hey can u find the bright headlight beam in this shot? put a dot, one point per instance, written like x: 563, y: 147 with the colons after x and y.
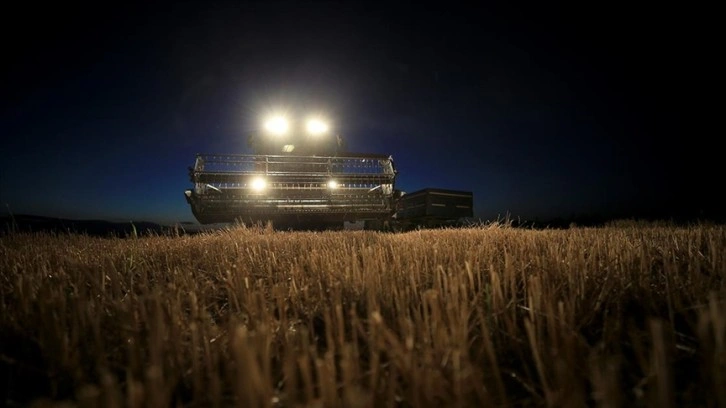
x: 277, y: 125
x: 258, y: 184
x: 316, y: 127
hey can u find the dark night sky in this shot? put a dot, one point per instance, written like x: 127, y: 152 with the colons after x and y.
x: 541, y: 111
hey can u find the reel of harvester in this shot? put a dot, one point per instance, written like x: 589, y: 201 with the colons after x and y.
x: 292, y: 190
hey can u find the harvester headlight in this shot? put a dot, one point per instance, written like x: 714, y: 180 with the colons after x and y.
x: 316, y: 127
x: 258, y: 184
x: 277, y: 125
x: 332, y: 184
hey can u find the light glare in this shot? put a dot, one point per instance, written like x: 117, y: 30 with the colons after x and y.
x: 332, y: 184
x: 317, y: 127
x: 277, y: 125
x: 258, y: 184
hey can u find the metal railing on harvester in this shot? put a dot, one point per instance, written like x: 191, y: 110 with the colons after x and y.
x: 261, y: 187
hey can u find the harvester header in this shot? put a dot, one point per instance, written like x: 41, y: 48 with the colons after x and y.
x: 288, y: 189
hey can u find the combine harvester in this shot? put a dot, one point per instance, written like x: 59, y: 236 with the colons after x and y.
x: 304, y: 179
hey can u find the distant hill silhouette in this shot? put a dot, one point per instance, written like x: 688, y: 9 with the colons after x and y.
x: 36, y: 223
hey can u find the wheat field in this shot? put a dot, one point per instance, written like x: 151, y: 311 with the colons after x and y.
x: 622, y: 315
